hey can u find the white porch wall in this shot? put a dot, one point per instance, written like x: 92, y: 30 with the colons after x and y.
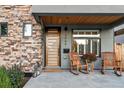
x: 107, y: 40
x: 65, y: 61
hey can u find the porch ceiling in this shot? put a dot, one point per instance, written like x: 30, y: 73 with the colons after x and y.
x: 80, y: 20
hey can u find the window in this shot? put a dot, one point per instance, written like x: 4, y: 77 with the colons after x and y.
x: 75, y: 33
x: 27, y: 30
x: 88, y: 33
x: 81, y: 33
x: 3, y: 29
x: 94, y: 33
x: 88, y: 42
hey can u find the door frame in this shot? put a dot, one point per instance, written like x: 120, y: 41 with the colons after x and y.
x: 59, y: 30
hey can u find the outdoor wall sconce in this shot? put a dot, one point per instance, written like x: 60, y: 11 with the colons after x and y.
x: 66, y: 28
x: 27, y: 29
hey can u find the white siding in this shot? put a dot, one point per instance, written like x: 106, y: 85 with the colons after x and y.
x: 107, y: 40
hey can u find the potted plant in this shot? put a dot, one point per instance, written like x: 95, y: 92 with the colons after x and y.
x: 89, y: 58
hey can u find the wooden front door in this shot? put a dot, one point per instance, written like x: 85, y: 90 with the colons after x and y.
x: 52, y: 47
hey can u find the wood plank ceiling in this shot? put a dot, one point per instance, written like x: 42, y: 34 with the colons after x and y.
x: 79, y: 20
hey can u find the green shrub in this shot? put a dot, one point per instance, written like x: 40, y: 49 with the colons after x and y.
x: 4, y: 78
x: 11, y: 78
x: 16, y: 76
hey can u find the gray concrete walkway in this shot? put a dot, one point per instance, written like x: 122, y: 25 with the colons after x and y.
x: 67, y: 80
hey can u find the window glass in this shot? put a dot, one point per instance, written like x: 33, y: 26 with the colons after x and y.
x: 81, y: 48
x: 81, y: 33
x: 88, y: 33
x: 27, y: 29
x: 94, y: 33
x: 88, y: 45
x: 84, y: 33
x: 3, y: 29
x: 95, y: 45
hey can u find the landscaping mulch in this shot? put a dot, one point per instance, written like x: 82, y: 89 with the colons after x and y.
x: 26, y: 79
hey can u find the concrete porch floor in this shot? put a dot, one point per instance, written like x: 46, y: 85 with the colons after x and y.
x: 66, y: 79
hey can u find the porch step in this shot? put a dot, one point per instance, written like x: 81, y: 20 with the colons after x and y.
x: 52, y: 69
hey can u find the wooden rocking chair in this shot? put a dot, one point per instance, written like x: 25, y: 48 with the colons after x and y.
x: 119, y: 59
x: 76, y: 64
x: 109, y: 60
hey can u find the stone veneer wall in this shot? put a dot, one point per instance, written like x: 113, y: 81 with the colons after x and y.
x: 15, y: 48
